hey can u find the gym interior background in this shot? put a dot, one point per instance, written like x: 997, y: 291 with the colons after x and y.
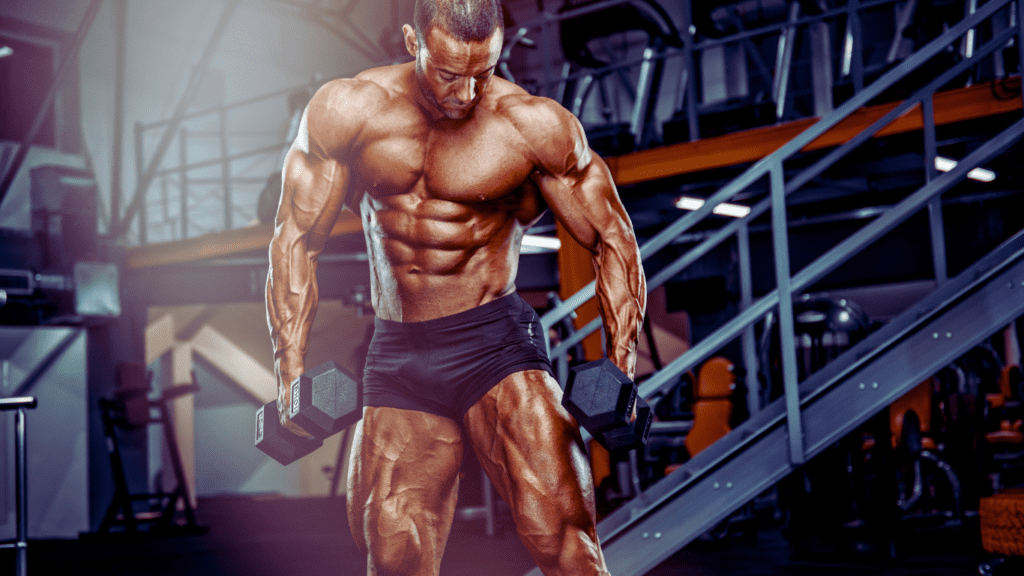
x: 829, y: 195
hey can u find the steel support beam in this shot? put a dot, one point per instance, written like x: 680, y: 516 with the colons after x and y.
x: 68, y: 59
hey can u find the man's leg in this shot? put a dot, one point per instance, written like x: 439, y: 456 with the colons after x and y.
x: 531, y: 449
x: 402, y: 486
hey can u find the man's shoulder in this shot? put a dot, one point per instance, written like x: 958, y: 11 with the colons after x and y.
x: 365, y: 92
x: 533, y: 115
x: 341, y: 108
x: 550, y: 131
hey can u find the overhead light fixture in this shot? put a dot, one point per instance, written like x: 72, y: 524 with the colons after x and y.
x: 6, y: 51
x: 943, y: 164
x: 543, y: 242
x: 723, y: 209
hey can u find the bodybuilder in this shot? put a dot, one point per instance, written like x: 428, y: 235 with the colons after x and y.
x: 448, y: 166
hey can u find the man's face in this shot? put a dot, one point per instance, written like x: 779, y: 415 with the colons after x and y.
x: 452, y: 74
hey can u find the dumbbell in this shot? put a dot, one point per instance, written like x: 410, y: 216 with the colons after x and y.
x: 601, y: 398
x: 324, y: 401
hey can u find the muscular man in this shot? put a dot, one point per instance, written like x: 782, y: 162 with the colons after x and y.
x: 448, y: 167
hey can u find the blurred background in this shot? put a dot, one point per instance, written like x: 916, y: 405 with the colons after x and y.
x: 828, y: 193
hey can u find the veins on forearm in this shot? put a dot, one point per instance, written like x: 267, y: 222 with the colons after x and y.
x: 622, y: 299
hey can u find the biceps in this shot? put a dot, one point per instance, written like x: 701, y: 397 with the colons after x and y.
x: 587, y: 204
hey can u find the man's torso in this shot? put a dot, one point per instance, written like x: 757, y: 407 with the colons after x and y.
x: 443, y: 202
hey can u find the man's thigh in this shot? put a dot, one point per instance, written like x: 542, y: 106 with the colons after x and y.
x: 403, y: 475
x: 531, y: 449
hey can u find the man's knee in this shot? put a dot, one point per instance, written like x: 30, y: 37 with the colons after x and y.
x: 399, y: 539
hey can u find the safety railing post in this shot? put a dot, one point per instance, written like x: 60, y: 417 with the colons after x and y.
x: 20, y: 544
x: 786, y: 325
x: 183, y: 141
x: 935, y: 224
x: 21, y: 488
x: 747, y: 341
x: 139, y: 169
x: 225, y: 168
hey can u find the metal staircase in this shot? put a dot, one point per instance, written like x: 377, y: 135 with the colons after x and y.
x: 812, y: 414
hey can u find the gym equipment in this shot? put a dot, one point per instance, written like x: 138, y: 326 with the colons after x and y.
x: 325, y: 401
x: 601, y: 398
x: 712, y: 408
x: 129, y: 409
x: 1002, y: 530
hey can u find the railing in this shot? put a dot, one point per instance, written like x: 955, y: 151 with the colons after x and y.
x: 771, y: 167
x: 157, y: 180
x: 178, y: 224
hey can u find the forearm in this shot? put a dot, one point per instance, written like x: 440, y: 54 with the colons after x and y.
x: 291, y: 306
x: 621, y: 297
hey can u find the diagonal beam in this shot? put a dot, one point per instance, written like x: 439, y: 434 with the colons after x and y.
x: 70, y: 57
x: 198, y: 74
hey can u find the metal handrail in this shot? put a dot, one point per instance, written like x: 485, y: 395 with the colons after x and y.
x: 773, y: 164
x: 20, y: 545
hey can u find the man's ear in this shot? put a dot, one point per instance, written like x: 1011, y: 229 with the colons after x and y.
x: 410, y: 39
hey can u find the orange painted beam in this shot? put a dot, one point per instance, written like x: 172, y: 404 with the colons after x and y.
x: 221, y: 244
x: 951, y: 106
x: 576, y: 270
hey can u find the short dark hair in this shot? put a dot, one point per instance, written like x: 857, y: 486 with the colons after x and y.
x: 466, y: 20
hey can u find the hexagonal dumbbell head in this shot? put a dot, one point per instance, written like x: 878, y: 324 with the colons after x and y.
x: 599, y: 396
x: 277, y: 442
x: 326, y: 400
x: 632, y: 435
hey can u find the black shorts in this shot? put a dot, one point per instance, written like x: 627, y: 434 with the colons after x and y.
x: 443, y: 366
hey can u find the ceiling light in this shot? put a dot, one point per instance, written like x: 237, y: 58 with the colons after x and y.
x: 6, y: 51
x: 943, y: 164
x: 545, y: 242
x: 723, y: 209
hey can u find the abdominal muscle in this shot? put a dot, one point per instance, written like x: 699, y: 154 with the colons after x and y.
x: 437, y: 260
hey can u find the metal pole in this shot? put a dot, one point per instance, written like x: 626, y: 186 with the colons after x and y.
x: 1020, y: 41
x: 120, y: 48
x: 857, y: 44
x: 140, y: 150
x: 748, y: 342
x: 69, y: 58
x: 643, y: 87
x: 21, y: 488
x: 935, y: 224
x: 183, y: 140
x: 198, y: 73
x: 689, y: 64
x: 784, y: 61
x: 782, y: 275
x: 225, y: 168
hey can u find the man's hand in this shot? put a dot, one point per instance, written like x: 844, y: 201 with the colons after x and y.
x: 284, y: 401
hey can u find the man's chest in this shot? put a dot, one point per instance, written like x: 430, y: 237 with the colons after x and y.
x: 475, y: 161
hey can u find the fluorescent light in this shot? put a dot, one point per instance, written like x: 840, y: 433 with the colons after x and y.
x: 723, y: 209
x: 6, y: 51
x: 546, y: 242
x: 943, y: 164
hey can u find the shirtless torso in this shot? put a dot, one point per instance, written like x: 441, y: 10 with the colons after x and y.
x: 448, y: 167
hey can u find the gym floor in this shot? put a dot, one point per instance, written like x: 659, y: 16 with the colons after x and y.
x: 289, y: 536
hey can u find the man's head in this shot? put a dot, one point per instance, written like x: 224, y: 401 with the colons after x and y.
x: 456, y: 44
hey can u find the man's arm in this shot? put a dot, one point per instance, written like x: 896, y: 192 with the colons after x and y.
x: 579, y: 190
x: 314, y: 183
